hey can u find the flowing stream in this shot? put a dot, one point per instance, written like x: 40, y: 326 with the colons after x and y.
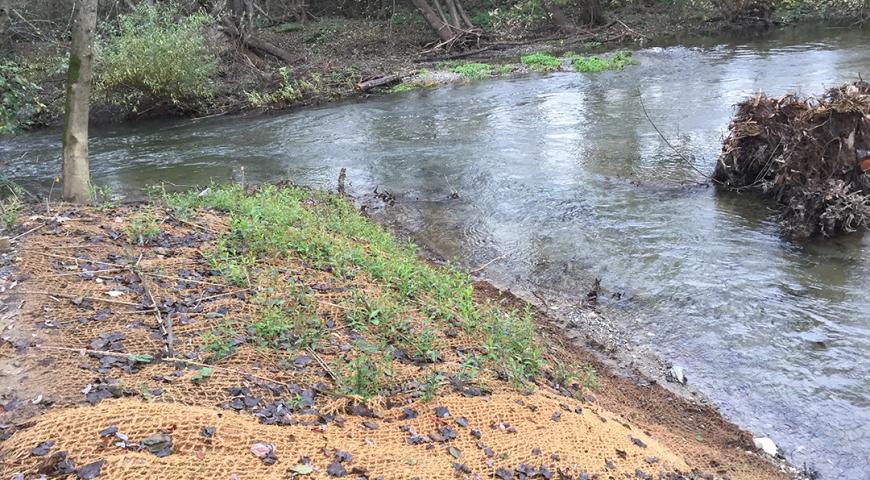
x: 564, y: 176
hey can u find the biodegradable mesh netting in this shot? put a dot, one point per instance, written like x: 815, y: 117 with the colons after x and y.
x: 195, y: 300
x: 579, y: 442
x: 87, y: 282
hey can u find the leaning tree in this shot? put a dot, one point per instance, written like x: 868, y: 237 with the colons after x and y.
x: 449, y: 19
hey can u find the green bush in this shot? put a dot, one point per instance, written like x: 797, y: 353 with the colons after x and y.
x: 17, y: 101
x: 289, y: 92
x: 156, y: 54
x: 541, y: 62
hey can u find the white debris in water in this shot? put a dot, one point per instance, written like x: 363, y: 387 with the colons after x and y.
x: 766, y: 444
x: 676, y: 374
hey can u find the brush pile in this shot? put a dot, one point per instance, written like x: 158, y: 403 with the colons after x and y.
x: 811, y: 155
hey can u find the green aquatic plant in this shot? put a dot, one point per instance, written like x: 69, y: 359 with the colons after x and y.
x: 403, y: 87
x: 473, y: 71
x: 594, y: 64
x: 541, y: 62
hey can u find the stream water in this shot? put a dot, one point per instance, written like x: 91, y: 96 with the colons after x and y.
x: 564, y: 176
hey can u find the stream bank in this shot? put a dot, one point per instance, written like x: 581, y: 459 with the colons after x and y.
x: 147, y: 319
x: 336, y: 58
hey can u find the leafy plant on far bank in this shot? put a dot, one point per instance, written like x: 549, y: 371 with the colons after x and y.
x: 18, y: 103
x: 289, y: 91
x: 473, y: 71
x: 541, y: 62
x: 10, y: 208
x: 156, y: 55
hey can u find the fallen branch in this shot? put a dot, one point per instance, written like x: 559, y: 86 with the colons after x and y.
x: 255, y: 43
x: 165, y: 325
x: 381, y: 81
x: 322, y: 364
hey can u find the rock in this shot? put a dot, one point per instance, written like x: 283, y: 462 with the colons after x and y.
x: 5, y: 244
x: 765, y: 444
x: 677, y: 375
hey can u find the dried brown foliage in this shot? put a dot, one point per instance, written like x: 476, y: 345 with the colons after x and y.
x: 806, y: 154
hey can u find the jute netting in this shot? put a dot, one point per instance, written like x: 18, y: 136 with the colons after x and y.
x: 95, y: 348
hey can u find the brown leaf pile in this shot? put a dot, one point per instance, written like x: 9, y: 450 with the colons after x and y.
x: 805, y: 153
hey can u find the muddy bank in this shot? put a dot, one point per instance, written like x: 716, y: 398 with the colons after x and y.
x: 121, y: 312
x: 637, y: 383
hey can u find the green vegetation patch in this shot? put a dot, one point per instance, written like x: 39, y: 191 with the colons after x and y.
x: 289, y: 91
x: 473, y: 71
x: 18, y: 102
x: 398, y: 308
x: 617, y: 61
x: 541, y: 62
x: 403, y: 87
x: 11, y: 205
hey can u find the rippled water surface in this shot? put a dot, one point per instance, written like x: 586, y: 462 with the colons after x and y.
x: 564, y: 176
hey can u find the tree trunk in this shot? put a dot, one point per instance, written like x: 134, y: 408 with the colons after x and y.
x: 5, y: 35
x: 592, y: 14
x: 443, y: 30
x: 457, y: 22
x: 76, y: 175
x: 558, y: 18
x: 255, y: 43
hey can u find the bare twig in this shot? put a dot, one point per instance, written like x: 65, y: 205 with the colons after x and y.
x: 322, y: 364
x: 70, y: 297
x: 28, y: 232
x: 496, y: 259
x: 680, y: 154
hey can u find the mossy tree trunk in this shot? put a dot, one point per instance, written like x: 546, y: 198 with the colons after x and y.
x: 76, y: 174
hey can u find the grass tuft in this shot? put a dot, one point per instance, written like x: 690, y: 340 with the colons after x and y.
x: 399, y: 312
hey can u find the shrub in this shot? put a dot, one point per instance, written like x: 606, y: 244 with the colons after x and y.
x: 17, y: 101
x: 289, y: 91
x: 10, y: 208
x: 156, y: 54
x: 541, y: 62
